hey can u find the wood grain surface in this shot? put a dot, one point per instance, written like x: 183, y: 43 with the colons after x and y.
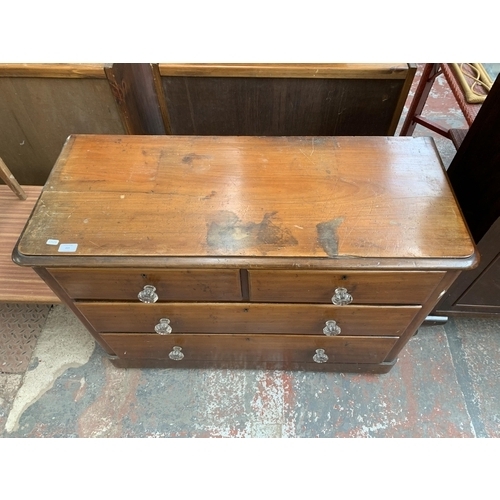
x: 134, y: 90
x: 283, y: 107
x: 373, y: 287
x: 251, y: 348
x: 172, y: 284
x: 248, y: 318
x: 18, y: 284
x: 297, y: 70
x: 217, y: 197
x: 38, y: 115
x: 60, y: 70
x: 282, y: 99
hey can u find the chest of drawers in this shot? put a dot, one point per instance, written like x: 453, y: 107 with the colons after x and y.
x: 260, y: 252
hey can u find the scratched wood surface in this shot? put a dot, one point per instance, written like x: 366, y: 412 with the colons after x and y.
x: 295, y: 197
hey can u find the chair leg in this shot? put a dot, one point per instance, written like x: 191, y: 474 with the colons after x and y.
x: 10, y: 180
x: 429, y: 74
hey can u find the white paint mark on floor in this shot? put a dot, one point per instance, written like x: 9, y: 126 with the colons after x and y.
x: 58, y: 348
x: 260, y: 430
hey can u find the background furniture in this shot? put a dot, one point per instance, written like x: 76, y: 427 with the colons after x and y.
x: 415, y: 117
x: 42, y: 104
x: 282, y: 99
x: 11, y: 181
x: 475, y: 177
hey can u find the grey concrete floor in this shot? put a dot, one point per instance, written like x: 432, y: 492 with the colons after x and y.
x: 445, y: 384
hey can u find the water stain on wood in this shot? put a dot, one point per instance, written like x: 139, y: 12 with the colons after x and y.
x: 327, y: 235
x: 226, y: 231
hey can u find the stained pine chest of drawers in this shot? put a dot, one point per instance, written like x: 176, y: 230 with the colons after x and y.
x: 322, y: 253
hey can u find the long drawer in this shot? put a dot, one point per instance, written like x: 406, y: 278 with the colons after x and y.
x: 374, y: 287
x: 170, y: 284
x: 249, y: 318
x: 253, y: 348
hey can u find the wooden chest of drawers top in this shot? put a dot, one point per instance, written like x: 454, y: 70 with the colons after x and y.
x: 192, y: 201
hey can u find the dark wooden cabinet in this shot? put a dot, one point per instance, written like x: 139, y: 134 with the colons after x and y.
x: 475, y: 177
x: 321, y: 253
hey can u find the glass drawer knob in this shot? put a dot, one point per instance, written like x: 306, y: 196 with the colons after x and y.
x: 176, y: 353
x: 331, y: 328
x: 148, y: 295
x: 341, y: 297
x: 320, y: 356
x: 163, y: 327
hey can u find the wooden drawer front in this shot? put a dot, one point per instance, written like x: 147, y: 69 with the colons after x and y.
x: 172, y: 284
x: 249, y: 318
x: 375, y: 287
x: 252, y: 348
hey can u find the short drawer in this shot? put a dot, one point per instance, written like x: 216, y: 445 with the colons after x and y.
x: 170, y: 284
x: 372, y: 287
x: 252, y: 348
x: 308, y: 319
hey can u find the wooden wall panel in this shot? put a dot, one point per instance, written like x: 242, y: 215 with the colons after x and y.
x: 38, y: 114
x: 280, y: 106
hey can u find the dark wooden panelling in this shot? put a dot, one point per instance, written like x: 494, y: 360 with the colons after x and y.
x: 278, y: 106
x: 469, y: 294
x: 486, y: 291
x: 475, y: 170
x: 474, y: 174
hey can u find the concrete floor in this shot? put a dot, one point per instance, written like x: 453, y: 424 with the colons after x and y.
x: 445, y: 384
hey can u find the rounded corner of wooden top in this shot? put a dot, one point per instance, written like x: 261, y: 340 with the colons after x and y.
x: 474, y: 259
x: 470, y: 260
x: 18, y: 257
